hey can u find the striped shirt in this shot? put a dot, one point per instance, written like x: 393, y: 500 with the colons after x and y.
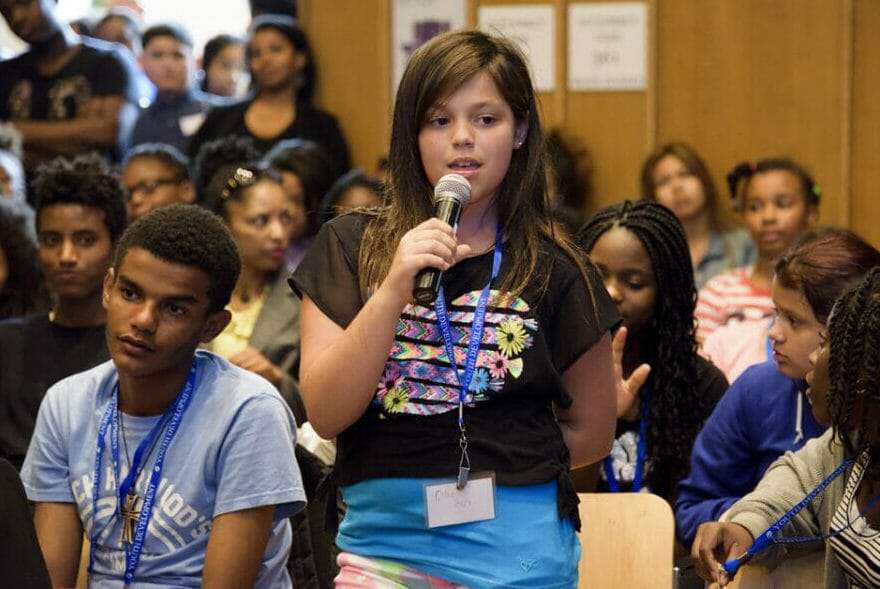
x: 857, y: 547
x: 731, y: 296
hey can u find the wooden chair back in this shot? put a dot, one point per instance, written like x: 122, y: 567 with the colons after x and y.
x: 627, y: 540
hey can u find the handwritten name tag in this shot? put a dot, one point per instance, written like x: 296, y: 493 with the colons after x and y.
x: 446, y: 505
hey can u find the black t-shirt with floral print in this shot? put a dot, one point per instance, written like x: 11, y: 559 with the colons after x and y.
x: 410, y: 428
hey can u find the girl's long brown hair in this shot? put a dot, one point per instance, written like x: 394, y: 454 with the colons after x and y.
x: 434, y: 72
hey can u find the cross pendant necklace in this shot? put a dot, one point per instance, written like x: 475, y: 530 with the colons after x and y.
x: 130, y: 517
x: 129, y: 512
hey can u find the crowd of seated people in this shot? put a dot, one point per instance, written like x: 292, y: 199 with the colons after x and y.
x: 723, y: 313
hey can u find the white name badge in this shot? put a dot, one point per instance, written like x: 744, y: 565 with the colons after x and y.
x: 446, y: 505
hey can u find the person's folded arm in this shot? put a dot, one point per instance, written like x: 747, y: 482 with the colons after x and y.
x: 100, y: 125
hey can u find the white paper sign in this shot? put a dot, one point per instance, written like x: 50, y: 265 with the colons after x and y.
x: 534, y: 28
x: 416, y: 21
x: 446, y: 505
x: 607, y: 46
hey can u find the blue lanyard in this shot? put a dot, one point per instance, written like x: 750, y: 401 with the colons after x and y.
x: 641, y: 453
x: 476, y: 336
x: 766, y: 538
x: 111, y: 419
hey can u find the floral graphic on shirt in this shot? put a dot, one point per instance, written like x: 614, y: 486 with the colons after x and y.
x: 480, y: 381
x: 511, y: 337
x: 498, y: 365
x: 418, y: 378
x: 395, y: 401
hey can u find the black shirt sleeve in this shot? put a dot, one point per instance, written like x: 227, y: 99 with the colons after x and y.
x: 328, y: 273
x: 583, y: 312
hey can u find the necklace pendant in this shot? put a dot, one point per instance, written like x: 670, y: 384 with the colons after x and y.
x: 130, y: 517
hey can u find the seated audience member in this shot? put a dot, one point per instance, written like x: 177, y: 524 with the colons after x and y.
x: 67, y: 94
x: 352, y: 190
x: 307, y: 173
x: 160, y: 415
x: 280, y: 107
x: 836, y: 474
x: 120, y: 25
x: 738, y: 345
x: 263, y: 333
x: 123, y: 25
x: 640, y: 250
x: 155, y: 175
x: 765, y: 411
x: 779, y: 202
x: 224, y: 71
x: 179, y: 109
x: 22, y: 289
x: 569, y: 179
x: 80, y: 216
x: 677, y: 177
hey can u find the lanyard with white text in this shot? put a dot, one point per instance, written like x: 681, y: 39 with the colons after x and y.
x: 476, y: 336
x: 641, y: 454
x: 111, y: 419
x: 767, y: 537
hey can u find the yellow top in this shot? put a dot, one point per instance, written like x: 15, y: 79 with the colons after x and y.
x: 235, y: 337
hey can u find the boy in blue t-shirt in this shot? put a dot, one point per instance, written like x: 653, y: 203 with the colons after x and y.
x: 178, y: 466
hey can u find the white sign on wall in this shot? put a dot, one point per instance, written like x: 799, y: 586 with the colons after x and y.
x: 607, y: 46
x: 534, y: 28
x: 416, y: 21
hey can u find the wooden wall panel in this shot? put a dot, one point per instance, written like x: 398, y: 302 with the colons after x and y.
x: 352, y: 45
x: 750, y: 79
x: 616, y: 128
x: 739, y: 79
x: 866, y: 122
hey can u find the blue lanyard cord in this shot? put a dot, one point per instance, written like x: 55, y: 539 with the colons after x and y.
x: 641, y: 453
x: 136, y: 466
x: 476, y: 337
x: 110, y: 419
x: 831, y: 533
x: 766, y: 538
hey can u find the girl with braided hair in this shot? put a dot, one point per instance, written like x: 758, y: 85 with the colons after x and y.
x: 765, y: 411
x: 641, y: 252
x: 845, y: 382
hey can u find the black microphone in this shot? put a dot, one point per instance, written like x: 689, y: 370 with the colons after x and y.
x: 451, y: 195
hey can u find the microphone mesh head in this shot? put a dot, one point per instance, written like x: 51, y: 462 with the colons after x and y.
x: 453, y: 187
